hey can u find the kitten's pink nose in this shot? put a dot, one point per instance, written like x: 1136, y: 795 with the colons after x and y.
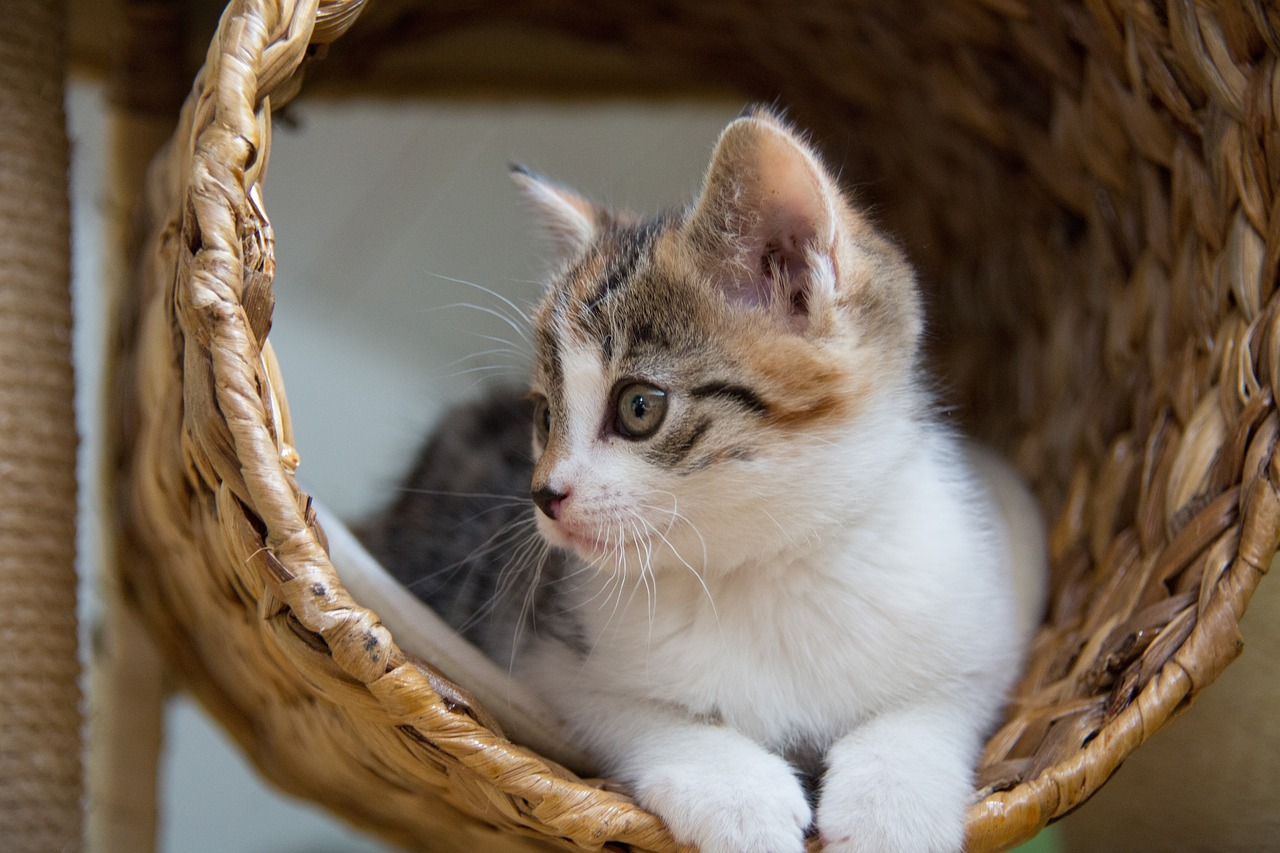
x: 549, y: 500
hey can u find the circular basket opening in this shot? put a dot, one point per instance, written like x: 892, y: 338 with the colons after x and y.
x: 1087, y: 198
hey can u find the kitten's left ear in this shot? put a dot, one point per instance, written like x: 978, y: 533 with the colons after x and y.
x: 768, y: 219
x: 570, y: 219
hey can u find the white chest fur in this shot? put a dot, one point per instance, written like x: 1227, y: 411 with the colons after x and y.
x: 911, y: 600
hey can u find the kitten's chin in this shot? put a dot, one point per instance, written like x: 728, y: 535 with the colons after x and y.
x: 585, y: 543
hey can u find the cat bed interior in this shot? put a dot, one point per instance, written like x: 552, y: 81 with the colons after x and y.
x: 1084, y: 191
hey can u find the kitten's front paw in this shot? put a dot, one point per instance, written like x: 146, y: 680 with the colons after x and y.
x: 895, y: 787
x: 748, y: 802
x: 897, y: 823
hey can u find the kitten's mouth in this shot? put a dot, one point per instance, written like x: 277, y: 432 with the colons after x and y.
x: 587, y: 541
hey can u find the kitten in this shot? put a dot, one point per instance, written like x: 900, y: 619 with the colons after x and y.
x: 770, y: 564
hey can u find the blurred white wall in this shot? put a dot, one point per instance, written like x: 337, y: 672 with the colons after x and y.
x: 377, y: 207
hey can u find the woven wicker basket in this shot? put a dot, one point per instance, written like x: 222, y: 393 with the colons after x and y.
x: 1089, y: 188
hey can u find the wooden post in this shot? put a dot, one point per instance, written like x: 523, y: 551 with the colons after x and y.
x: 147, y: 84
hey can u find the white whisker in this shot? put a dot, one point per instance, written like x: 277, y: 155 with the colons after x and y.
x: 697, y: 575
x: 487, y: 368
x: 493, y: 312
x: 522, y: 314
x: 445, y: 493
x: 676, y: 515
x: 506, y: 350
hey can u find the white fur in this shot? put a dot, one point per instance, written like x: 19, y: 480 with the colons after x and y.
x: 851, y: 595
x: 566, y: 215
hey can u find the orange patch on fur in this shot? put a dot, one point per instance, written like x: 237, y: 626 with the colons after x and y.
x: 804, y: 387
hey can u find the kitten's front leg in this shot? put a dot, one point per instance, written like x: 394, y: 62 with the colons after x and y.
x: 715, y: 788
x: 900, y: 782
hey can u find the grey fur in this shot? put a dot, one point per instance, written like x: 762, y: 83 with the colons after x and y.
x: 460, y: 533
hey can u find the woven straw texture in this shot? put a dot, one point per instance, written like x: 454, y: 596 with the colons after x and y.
x: 39, y: 696
x: 1090, y: 190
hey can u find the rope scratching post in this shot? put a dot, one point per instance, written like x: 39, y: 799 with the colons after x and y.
x: 39, y: 697
x: 1090, y: 189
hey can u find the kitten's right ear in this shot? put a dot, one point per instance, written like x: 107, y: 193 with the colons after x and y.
x: 767, y: 223
x: 570, y: 219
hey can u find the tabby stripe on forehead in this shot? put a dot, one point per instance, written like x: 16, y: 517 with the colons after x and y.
x: 628, y: 251
x: 743, y: 396
x: 610, y: 281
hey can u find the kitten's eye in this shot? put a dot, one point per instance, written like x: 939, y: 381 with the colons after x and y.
x: 641, y: 407
x: 542, y: 418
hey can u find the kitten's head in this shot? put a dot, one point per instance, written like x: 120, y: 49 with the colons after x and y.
x: 716, y: 383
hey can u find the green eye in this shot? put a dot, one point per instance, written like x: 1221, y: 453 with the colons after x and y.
x: 640, y: 409
x: 542, y: 419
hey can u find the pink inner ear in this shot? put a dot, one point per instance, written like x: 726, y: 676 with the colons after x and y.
x: 767, y: 205
x: 792, y: 217
x: 783, y: 267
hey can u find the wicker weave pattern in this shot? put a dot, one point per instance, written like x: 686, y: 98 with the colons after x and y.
x: 1091, y: 191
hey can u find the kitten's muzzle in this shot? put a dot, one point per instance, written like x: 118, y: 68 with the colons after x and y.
x: 548, y: 500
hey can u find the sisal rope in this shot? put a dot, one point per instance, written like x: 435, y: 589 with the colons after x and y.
x: 39, y: 696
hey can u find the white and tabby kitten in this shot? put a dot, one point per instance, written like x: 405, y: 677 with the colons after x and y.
x: 772, y: 569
